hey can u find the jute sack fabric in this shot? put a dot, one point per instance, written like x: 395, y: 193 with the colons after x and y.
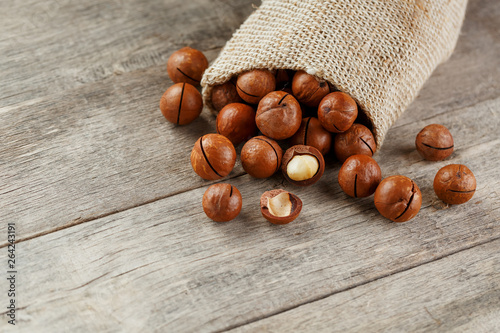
x: 379, y: 51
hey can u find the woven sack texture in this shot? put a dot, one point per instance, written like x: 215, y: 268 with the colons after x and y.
x: 379, y: 51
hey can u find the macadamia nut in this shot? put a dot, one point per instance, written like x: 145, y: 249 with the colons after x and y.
x: 280, y: 205
x: 302, y: 167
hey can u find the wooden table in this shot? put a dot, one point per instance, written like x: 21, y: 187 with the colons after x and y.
x: 109, y: 227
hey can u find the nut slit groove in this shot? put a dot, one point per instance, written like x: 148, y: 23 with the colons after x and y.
x: 275, y: 152
x: 367, y: 145
x: 231, y: 193
x: 206, y: 159
x: 409, y: 201
x: 243, y: 91
x: 355, y: 183
x: 305, y: 132
x: 180, y: 103
x: 281, y: 100
x: 312, y: 95
x: 437, y: 148
x: 455, y: 191
x: 189, y: 77
x: 337, y: 128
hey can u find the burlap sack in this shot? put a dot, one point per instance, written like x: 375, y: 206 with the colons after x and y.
x: 379, y: 51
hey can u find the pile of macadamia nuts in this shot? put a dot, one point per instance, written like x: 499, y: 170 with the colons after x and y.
x: 263, y: 108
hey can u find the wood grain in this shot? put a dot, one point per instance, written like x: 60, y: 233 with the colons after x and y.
x: 57, y: 45
x: 459, y: 293
x: 91, y: 142
x: 115, y: 239
x: 81, y: 141
x: 165, y: 267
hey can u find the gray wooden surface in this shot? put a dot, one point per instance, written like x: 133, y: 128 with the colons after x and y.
x: 108, y: 213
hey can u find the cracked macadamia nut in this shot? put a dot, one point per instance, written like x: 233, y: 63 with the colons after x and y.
x: 455, y: 184
x: 261, y: 157
x: 311, y: 133
x: 303, y: 165
x: 398, y: 198
x: 255, y: 84
x: 222, y: 202
x: 359, y: 176
x: 355, y: 141
x: 236, y: 122
x: 187, y: 65
x: 279, y: 115
x: 337, y: 112
x: 225, y: 94
x: 280, y: 206
x: 308, y: 89
x: 213, y: 157
x: 434, y: 142
x: 181, y: 104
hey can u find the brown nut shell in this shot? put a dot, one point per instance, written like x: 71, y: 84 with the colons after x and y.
x: 311, y: 133
x: 222, y: 202
x: 455, y: 184
x: 359, y: 176
x: 308, y: 89
x: 261, y: 157
x: 303, y: 150
x: 434, y: 142
x: 213, y: 157
x: 398, y: 198
x: 337, y: 112
x: 187, y: 65
x: 356, y: 140
x: 236, y: 122
x: 252, y: 86
x: 225, y: 94
x: 295, y: 203
x: 279, y: 115
x: 181, y: 104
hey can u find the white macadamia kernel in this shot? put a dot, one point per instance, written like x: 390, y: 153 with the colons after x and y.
x: 280, y: 205
x: 302, y: 167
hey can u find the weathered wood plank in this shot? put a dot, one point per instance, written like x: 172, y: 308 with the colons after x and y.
x: 72, y: 150
x: 62, y: 156
x: 56, y: 45
x: 78, y: 141
x: 84, y: 159
x: 459, y: 293
x: 163, y: 266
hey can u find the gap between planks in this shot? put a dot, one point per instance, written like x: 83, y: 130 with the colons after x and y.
x: 79, y: 221
x: 319, y: 298
x: 29, y: 102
